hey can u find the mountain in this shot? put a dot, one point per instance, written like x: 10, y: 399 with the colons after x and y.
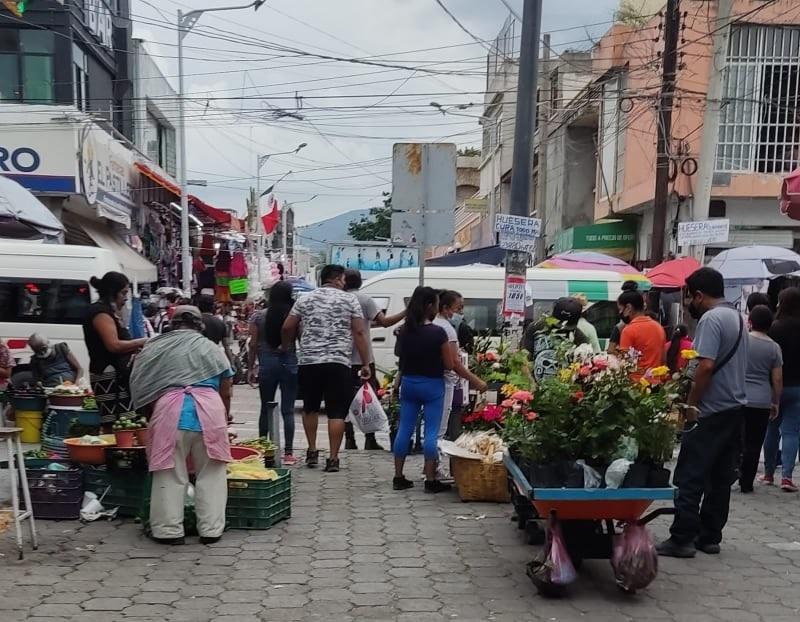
x: 318, y: 235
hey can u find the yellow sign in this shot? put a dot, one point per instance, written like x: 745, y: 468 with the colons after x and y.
x: 476, y: 206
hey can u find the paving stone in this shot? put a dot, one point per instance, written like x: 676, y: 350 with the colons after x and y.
x: 106, y: 604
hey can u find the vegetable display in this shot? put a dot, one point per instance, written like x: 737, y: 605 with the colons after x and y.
x: 129, y: 421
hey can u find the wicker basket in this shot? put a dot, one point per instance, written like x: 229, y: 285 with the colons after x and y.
x: 480, y: 481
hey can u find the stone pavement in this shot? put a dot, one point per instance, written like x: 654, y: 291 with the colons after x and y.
x: 354, y: 549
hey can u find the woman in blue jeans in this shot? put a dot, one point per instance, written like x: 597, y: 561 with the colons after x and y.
x: 277, y: 367
x: 785, y: 331
x: 425, y: 354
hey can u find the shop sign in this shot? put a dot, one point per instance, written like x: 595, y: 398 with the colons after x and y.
x: 476, y: 206
x: 98, y: 20
x: 703, y: 232
x: 514, y: 296
x: 40, y: 161
x: 108, y: 177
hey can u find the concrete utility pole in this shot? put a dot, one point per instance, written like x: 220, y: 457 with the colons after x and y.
x: 544, y: 130
x: 669, y: 63
x: 708, y: 148
x: 524, y: 128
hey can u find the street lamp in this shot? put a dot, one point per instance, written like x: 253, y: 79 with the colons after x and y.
x: 186, y: 22
x: 262, y: 160
x: 272, y: 187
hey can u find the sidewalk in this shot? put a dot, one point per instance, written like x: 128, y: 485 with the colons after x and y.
x: 355, y: 549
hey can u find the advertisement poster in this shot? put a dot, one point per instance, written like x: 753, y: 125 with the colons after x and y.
x: 514, y: 296
x: 374, y: 258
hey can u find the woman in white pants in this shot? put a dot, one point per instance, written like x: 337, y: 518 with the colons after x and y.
x: 451, y: 309
x: 186, y: 379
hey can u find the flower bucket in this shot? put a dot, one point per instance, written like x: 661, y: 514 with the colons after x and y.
x: 142, y: 436
x: 125, y: 438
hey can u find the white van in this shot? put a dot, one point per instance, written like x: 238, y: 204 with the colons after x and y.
x: 45, y: 288
x: 482, y: 289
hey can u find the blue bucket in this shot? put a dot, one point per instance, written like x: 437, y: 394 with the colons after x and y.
x: 37, y: 403
x: 88, y: 417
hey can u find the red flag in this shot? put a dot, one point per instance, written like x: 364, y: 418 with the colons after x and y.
x: 271, y: 219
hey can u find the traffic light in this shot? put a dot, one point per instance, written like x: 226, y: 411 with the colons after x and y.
x: 17, y: 7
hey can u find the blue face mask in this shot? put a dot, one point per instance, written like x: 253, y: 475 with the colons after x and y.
x: 456, y: 320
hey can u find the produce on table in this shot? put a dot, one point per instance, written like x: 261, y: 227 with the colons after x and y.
x: 89, y: 403
x: 251, y: 468
x: 70, y: 389
x: 487, y: 444
x: 262, y: 444
x: 129, y: 421
x: 91, y: 440
x: 36, y: 454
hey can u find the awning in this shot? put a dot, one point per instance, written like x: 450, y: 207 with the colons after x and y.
x: 158, y: 178
x: 133, y: 264
x: 19, y: 204
x: 209, y: 215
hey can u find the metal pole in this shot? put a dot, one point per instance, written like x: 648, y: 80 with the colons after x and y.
x: 284, y: 221
x: 524, y: 128
x: 544, y: 130
x: 186, y: 256
x: 664, y: 130
x: 257, y: 228
x: 711, y: 118
x: 426, y: 195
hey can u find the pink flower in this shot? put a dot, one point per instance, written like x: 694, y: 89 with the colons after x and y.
x: 578, y: 396
x: 531, y: 416
x: 522, y: 396
x: 517, y: 407
x: 491, y: 356
x: 493, y: 413
x: 600, y: 363
x: 507, y: 403
x: 585, y: 371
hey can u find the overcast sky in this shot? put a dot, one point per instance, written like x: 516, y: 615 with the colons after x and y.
x: 245, y: 97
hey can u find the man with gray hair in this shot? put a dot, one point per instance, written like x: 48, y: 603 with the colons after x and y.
x: 52, y: 365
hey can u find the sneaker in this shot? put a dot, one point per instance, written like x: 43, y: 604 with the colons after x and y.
x: 767, y: 480
x: 671, y: 548
x: 401, y: 483
x: 331, y: 465
x: 288, y: 460
x: 169, y: 541
x: 787, y: 485
x: 708, y: 548
x: 312, y: 458
x: 371, y: 444
x: 435, y: 486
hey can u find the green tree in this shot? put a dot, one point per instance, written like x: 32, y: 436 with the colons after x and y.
x: 377, y: 225
x: 469, y: 151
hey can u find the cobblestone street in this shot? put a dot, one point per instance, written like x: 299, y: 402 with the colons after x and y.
x: 354, y: 549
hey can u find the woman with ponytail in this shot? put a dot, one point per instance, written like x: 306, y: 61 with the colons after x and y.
x: 110, y: 347
x: 678, y: 342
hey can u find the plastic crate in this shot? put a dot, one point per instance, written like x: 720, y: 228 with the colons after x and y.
x: 55, y: 494
x: 127, y: 459
x: 128, y: 491
x: 259, y: 504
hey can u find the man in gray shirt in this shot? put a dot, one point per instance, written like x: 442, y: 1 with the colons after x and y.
x: 713, y: 420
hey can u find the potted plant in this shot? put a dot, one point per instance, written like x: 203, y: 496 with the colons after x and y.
x: 125, y: 429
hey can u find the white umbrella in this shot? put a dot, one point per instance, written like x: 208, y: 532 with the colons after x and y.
x: 17, y: 203
x: 755, y: 263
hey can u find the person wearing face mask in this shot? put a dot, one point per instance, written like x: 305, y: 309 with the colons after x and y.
x: 642, y: 333
x: 451, y: 304
x: 110, y: 347
x: 710, y: 445
x: 52, y: 365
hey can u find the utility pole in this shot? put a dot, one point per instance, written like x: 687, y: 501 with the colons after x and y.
x: 669, y: 63
x: 544, y: 129
x: 524, y: 128
x: 711, y: 117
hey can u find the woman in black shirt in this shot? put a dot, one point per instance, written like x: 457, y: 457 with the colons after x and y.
x: 276, y: 366
x: 424, y: 355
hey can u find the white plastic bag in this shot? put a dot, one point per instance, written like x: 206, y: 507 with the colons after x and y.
x: 591, y: 478
x: 366, y: 411
x: 616, y: 472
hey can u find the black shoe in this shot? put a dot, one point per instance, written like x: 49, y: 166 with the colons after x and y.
x: 434, y: 486
x: 709, y: 548
x: 350, y: 443
x: 331, y: 465
x: 209, y: 539
x: 401, y: 483
x: 312, y: 458
x: 671, y: 548
x: 169, y: 541
x: 371, y: 444
x: 746, y: 489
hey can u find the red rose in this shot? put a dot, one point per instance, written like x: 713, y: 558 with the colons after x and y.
x: 585, y: 371
x: 578, y: 396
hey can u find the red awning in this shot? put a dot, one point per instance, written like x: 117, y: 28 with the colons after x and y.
x: 212, y: 215
x: 153, y: 175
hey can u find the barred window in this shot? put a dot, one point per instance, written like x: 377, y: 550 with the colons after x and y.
x: 760, y: 121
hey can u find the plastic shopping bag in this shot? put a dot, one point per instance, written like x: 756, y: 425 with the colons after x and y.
x: 634, y: 558
x: 562, y: 572
x: 366, y: 411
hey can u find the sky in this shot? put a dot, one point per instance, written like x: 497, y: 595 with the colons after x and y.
x: 264, y: 82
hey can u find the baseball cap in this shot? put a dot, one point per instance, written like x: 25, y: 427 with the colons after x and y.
x: 186, y: 313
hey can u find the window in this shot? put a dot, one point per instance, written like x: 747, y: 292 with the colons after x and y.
x: 43, y: 301
x: 716, y: 208
x: 610, y: 141
x: 26, y: 66
x: 484, y: 315
x: 760, y: 119
x: 80, y: 84
x: 160, y: 143
x: 603, y: 315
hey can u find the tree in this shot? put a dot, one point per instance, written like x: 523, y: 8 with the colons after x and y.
x: 631, y: 15
x: 469, y: 151
x: 377, y: 225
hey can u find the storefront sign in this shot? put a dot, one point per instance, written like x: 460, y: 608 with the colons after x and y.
x: 476, y: 206
x: 703, y: 232
x: 108, y: 177
x: 617, y: 239
x: 514, y: 296
x: 99, y: 21
x: 518, y: 233
x: 41, y: 161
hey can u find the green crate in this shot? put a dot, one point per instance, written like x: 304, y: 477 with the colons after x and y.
x: 259, y: 504
x: 130, y: 492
